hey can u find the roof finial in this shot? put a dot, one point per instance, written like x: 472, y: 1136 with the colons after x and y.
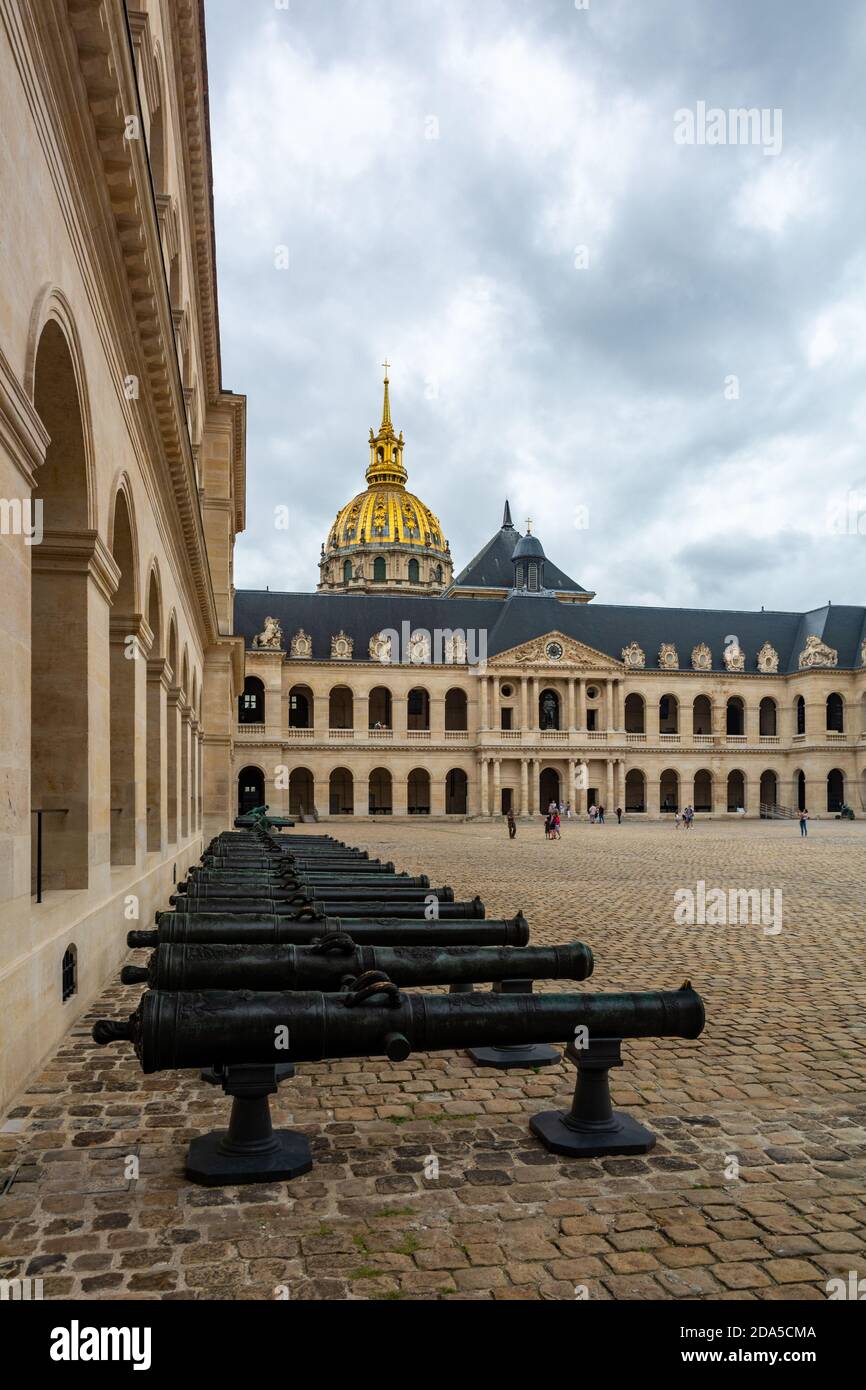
x: 507, y: 523
x: 386, y: 405
x: 529, y: 526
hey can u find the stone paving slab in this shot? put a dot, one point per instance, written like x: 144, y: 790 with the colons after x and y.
x: 427, y: 1183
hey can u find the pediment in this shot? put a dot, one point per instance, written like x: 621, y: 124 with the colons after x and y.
x: 576, y: 656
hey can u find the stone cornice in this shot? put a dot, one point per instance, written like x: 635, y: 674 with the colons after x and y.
x: 77, y: 58
x: 22, y: 433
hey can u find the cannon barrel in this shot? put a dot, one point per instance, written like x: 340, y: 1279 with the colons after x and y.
x: 220, y: 928
x: 258, y: 967
x: 319, y: 908
x: 188, y: 1029
x: 227, y: 885
x: 390, y: 891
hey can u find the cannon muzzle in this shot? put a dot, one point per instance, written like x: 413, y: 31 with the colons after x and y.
x: 264, y: 928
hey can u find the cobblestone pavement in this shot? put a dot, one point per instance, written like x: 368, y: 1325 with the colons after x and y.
x: 778, y: 1081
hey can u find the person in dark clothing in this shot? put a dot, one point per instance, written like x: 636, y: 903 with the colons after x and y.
x: 804, y: 817
x: 601, y: 815
x: 619, y: 815
x: 512, y: 824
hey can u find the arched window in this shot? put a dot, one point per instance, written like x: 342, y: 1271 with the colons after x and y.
x: 418, y: 792
x: 669, y: 711
x: 456, y: 709
x: 769, y: 791
x: 533, y: 575
x: 669, y: 790
x: 735, y: 716
x: 379, y: 570
x: 456, y: 792
x: 801, y: 714
x: 634, y: 714
x: 635, y: 790
x: 300, y: 707
x: 440, y: 574
x: 251, y: 789
x: 835, y: 790
x: 301, y: 792
x: 414, y: 572
x: 341, y: 792
x: 767, y: 717
x: 703, y: 791
x: 251, y: 705
x: 736, y: 791
x: 418, y: 709
x: 702, y: 716
x: 347, y: 571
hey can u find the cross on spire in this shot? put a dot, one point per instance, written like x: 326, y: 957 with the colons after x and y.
x: 529, y: 525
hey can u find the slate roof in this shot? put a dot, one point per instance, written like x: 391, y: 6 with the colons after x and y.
x: 519, y: 618
x: 492, y: 567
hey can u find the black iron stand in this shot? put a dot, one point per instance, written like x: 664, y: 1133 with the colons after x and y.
x: 514, y: 1054
x: 591, y: 1128
x: 250, y: 1150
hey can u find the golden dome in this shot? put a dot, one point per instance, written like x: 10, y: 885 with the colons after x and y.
x: 385, y: 514
x: 385, y: 517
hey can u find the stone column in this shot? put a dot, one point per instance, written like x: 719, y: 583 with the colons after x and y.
x: 752, y: 714
x: 156, y: 803
x: 184, y: 771
x: 524, y: 786
x: 497, y: 784
x: 321, y: 715
x: 437, y: 719
x: 437, y: 794
x: 495, y: 704
x: 580, y: 712
x: 483, y: 804
x: 399, y: 789
x: 173, y: 770
x: 611, y: 790
x: 361, y: 714
x: 570, y: 704
x: 360, y: 794
x: 223, y: 671
x: 524, y: 703
x: 653, y: 790
x: 686, y: 720
x: 400, y: 716
x: 651, y: 706
x: 483, y: 722
x: 533, y: 702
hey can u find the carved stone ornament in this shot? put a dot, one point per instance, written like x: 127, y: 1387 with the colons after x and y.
x: 455, y: 648
x: 702, y: 657
x: 734, y: 656
x: 302, y: 644
x: 668, y: 657
x: 419, y: 647
x: 863, y: 652
x: 768, y: 659
x: 271, y: 636
x: 634, y: 656
x: 341, y: 646
x: 817, y: 653
x: 380, y: 647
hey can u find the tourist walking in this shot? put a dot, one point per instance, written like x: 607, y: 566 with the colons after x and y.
x: 555, y: 826
x: 676, y: 820
x: 568, y: 810
x: 512, y: 823
x: 601, y: 815
x: 593, y: 813
x: 619, y: 815
x: 804, y: 817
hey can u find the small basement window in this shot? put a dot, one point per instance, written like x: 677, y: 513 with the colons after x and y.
x: 69, y: 973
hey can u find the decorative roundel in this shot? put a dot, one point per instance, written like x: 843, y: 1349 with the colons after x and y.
x: 507, y: 690
x: 592, y: 692
x: 554, y: 651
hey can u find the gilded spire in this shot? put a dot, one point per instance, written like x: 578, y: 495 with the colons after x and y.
x: 386, y: 448
x: 386, y: 405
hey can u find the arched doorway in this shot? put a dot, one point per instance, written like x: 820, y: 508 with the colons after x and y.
x: 379, y: 707
x: 300, y: 707
x: 835, y: 789
x: 735, y: 716
x: 548, y: 787
x: 702, y: 716
x: 669, y: 714
x: 455, y: 709
x: 418, y: 792
x: 251, y: 704
x: 418, y: 709
x: 703, y: 790
x: 669, y: 790
x: 635, y: 714
x: 301, y: 792
x: 380, y: 802
x: 341, y: 708
x: 635, y: 790
x: 341, y: 792
x: 769, y: 790
x: 736, y: 791
x: 767, y: 722
x: 60, y: 642
x: 173, y: 735
x: 251, y: 789
x: 456, y: 792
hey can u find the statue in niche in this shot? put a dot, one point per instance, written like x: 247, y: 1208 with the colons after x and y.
x: 549, y: 710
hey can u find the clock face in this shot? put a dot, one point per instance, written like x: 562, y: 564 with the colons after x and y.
x: 554, y: 651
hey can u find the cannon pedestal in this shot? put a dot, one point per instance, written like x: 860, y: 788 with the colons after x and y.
x: 283, y: 1071
x: 250, y: 1150
x: 513, y: 1054
x: 592, y: 1128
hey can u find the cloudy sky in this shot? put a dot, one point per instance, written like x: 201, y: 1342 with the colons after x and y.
x: 656, y: 349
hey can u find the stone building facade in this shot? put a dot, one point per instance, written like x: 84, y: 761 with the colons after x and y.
x: 121, y: 491
x: 511, y: 688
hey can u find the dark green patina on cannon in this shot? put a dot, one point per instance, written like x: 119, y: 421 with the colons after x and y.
x: 224, y: 927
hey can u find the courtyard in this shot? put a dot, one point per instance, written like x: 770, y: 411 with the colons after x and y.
x: 427, y: 1183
